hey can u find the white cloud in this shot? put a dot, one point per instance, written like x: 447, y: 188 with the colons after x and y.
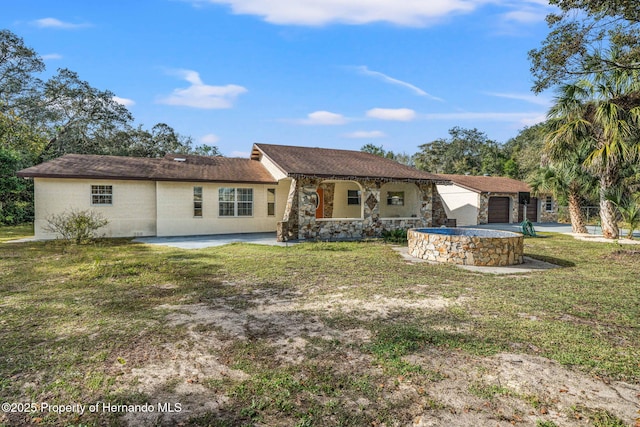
x: 366, y: 71
x: 533, y: 119
x: 519, y: 18
x: 51, y: 56
x: 209, y: 138
x: 362, y: 134
x: 57, y: 24
x: 397, y: 114
x: 414, y: 13
x: 525, y: 119
x: 525, y: 16
x: 200, y: 95
x: 124, y: 101
x: 526, y: 97
x: 243, y: 154
x: 355, y: 12
x: 324, y: 118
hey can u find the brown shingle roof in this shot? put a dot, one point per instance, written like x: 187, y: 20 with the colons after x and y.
x: 332, y: 163
x: 193, y: 168
x: 486, y: 184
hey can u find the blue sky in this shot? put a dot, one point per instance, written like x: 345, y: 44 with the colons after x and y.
x: 324, y: 73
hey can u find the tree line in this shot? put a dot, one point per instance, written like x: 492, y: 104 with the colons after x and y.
x: 472, y: 152
x: 44, y: 119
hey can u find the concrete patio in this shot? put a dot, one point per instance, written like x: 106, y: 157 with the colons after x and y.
x: 200, y: 242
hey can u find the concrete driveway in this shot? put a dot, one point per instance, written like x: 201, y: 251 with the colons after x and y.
x: 551, y: 227
x: 199, y: 242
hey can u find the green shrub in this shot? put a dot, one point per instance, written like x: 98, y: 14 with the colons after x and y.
x: 398, y: 236
x: 78, y: 226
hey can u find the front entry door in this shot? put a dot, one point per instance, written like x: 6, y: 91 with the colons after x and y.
x: 319, y: 203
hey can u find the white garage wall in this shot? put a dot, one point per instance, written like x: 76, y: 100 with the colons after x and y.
x: 460, y: 203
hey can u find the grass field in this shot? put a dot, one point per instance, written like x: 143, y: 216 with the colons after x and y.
x: 313, y: 334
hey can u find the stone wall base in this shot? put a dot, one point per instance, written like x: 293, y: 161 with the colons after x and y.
x: 466, y: 250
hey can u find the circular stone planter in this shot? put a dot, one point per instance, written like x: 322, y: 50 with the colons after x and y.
x: 466, y: 246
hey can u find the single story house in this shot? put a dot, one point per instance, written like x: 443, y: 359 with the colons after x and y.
x: 295, y: 192
x: 473, y: 200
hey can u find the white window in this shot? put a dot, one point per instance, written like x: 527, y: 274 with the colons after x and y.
x: 395, y: 198
x: 102, y: 195
x: 548, y: 204
x: 353, y: 197
x: 235, y: 202
x: 197, y: 202
x: 271, y: 201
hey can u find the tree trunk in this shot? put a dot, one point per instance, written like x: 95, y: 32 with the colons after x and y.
x: 576, y: 215
x: 608, y: 214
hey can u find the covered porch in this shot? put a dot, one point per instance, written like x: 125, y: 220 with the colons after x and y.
x: 329, y: 208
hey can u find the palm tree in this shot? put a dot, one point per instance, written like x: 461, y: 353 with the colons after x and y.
x: 603, y: 114
x: 566, y: 182
x: 628, y: 205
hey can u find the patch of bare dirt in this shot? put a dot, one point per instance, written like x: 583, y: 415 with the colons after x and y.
x: 623, y: 255
x: 503, y: 390
x: 509, y: 389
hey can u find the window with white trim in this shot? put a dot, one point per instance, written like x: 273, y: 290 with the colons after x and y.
x: 235, y: 201
x: 395, y: 198
x: 548, y: 204
x: 101, y: 195
x: 353, y: 197
x: 197, y: 202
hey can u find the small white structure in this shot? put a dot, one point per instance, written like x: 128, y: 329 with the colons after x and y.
x: 473, y: 200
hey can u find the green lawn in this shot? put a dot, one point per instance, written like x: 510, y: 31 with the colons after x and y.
x: 79, y: 324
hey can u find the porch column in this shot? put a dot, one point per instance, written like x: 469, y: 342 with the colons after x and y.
x: 428, y: 193
x: 371, y: 208
x: 287, y: 229
x: 307, y: 228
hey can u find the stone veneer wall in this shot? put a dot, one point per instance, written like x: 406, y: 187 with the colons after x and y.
x: 548, y: 216
x: 466, y: 250
x: 371, y: 225
x: 438, y: 212
x: 483, y: 212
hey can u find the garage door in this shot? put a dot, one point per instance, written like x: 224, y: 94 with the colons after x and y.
x: 498, y: 209
x: 532, y: 211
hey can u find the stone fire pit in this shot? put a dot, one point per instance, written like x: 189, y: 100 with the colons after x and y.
x: 466, y: 246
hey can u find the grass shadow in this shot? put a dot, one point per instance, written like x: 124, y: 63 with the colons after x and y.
x: 552, y: 260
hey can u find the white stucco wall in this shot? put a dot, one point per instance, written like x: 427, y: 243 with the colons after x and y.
x: 460, y: 203
x: 133, y: 212
x: 340, y: 207
x: 175, y: 209
x: 412, y: 202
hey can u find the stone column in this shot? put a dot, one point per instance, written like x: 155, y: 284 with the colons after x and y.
x: 288, y: 227
x: 515, y: 205
x: 483, y: 210
x: 371, y: 225
x: 428, y: 193
x: 307, y: 228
